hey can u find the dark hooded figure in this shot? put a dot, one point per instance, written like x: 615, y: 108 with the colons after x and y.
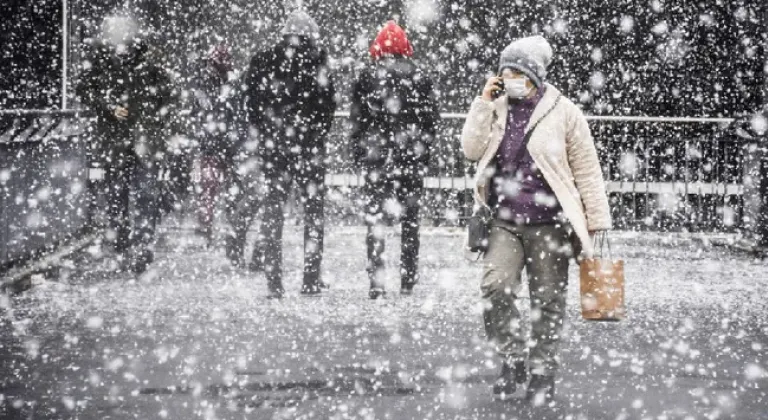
x: 291, y: 105
x: 394, y: 117
x: 132, y: 99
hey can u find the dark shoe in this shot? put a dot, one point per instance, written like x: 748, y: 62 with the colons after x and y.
x: 506, y: 384
x: 541, y: 390
x: 406, y: 288
x: 521, y: 373
x: 376, y: 280
x: 376, y: 292
x: 257, y: 260
x: 204, y: 231
x: 140, y: 261
x: 276, y: 293
x: 310, y: 290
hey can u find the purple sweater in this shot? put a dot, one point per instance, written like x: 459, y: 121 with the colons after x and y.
x: 521, y: 194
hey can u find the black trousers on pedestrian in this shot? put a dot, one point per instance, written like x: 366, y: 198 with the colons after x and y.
x: 132, y: 202
x: 177, y: 185
x: 308, y: 174
x: 404, y: 188
x: 243, y: 198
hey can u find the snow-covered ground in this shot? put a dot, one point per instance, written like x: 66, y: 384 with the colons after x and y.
x: 196, y: 338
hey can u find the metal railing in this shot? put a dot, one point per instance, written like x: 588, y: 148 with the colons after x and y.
x: 661, y: 173
x: 43, y: 184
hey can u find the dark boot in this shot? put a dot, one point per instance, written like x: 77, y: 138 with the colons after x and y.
x: 406, y: 287
x: 275, y: 293
x: 311, y: 284
x: 140, y: 260
x: 408, y: 279
x: 510, y: 376
x: 376, y: 292
x: 541, y: 390
x: 234, y: 248
x: 204, y: 231
x: 257, y: 259
x: 310, y: 289
x: 377, y: 288
x: 521, y: 373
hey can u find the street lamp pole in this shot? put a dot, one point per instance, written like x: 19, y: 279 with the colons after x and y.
x: 64, y: 51
x: 762, y: 217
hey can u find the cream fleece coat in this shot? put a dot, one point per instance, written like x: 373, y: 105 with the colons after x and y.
x: 562, y: 148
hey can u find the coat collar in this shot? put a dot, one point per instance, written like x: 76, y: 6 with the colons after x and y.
x: 502, y: 107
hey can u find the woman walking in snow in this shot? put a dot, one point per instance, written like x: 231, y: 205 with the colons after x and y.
x: 538, y: 173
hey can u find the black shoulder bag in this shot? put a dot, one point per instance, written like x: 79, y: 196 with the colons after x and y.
x: 479, y: 224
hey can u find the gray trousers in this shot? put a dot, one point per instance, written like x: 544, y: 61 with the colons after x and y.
x: 544, y: 251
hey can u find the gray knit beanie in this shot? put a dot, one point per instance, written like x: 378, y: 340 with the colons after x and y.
x: 530, y: 56
x: 300, y: 23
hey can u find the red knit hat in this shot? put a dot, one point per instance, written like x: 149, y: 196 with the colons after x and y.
x: 392, y: 40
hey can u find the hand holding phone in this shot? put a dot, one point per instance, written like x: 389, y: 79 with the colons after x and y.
x: 494, y: 88
x: 121, y: 113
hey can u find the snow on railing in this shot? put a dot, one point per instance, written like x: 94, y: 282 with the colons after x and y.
x: 610, y: 118
x: 627, y: 187
x: 22, y: 112
x: 443, y: 115
x: 31, y: 129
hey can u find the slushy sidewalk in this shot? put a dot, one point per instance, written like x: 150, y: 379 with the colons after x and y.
x: 196, y: 338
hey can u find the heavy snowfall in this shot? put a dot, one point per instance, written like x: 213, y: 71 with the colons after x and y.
x: 365, y: 209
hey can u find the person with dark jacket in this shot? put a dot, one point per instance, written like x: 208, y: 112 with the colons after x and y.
x: 216, y: 133
x: 245, y: 184
x: 394, y: 117
x: 291, y: 105
x: 132, y: 99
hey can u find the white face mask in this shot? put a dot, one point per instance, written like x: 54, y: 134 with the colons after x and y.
x: 517, y: 88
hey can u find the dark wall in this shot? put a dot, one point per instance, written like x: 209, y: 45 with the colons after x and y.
x: 625, y: 57
x: 30, y: 49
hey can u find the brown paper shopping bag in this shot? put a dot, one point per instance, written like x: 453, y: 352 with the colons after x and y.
x: 602, y: 286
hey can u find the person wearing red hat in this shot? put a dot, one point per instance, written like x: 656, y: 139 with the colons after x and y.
x: 394, y: 117
x: 391, y: 41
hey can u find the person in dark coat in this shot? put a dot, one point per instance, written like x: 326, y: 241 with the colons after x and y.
x: 216, y: 132
x: 394, y: 117
x: 245, y: 184
x: 291, y: 105
x: 132, y: 97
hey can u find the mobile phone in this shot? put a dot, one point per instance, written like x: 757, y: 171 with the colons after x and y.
x: 500, y: 91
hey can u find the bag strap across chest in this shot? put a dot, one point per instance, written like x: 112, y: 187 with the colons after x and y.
x: 529, y: 133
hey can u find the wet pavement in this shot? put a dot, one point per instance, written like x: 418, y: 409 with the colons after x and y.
x: 197, y: 338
